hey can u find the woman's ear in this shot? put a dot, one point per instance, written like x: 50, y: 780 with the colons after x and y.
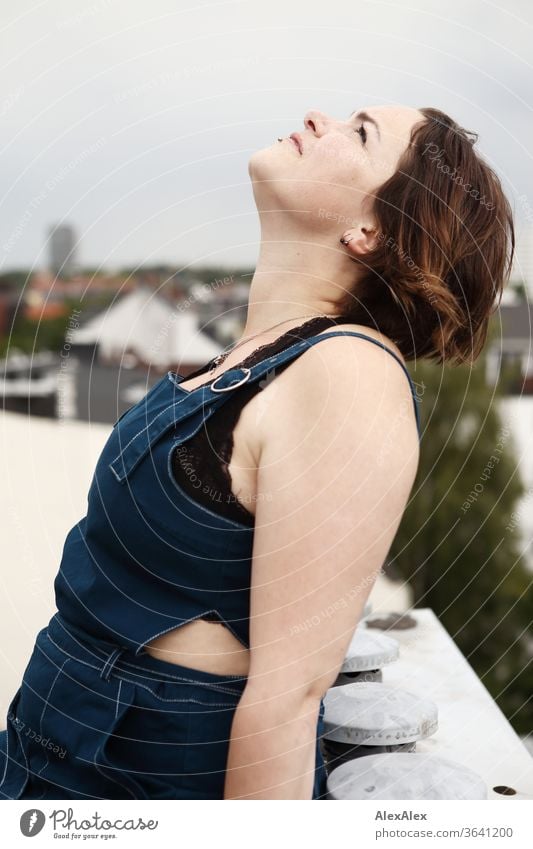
x: 360, y: 240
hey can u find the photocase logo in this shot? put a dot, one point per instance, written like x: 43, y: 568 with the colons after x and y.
x: 32, y: 822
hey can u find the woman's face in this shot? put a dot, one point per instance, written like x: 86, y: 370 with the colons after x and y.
x: 342, y: 163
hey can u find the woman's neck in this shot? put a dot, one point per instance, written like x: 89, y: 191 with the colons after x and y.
x: 295, y: 280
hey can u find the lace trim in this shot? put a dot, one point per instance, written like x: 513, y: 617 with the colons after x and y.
x: 206, y: 479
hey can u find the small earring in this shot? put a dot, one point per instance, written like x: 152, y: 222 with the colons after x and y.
x: 280, y: 139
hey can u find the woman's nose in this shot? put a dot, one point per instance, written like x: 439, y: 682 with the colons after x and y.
x: 316, y: 121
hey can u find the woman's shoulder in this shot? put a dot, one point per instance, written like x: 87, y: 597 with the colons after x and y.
x: 296, y: 398
x: 368, y: 332
x: 326, y: 360
x: 328, y: 379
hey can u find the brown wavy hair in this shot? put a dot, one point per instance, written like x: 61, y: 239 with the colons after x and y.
x: 445, y: 247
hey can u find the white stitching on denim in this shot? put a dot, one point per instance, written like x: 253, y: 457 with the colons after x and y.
x: 118, y: 698
x: 194, y: 619
x: 99, y: 752
x: 112, y: 469
x: 162, y: 699
x: 214, y: 687
x: 57, y: 623
x: 7, y: 745
x: 50, y: 690
x: 24, y: 780
x: 72, y: 657
x: 47, y: 762
x: 7, y: 761
x: 174, y: 404
x: 177, y: 403
x: 186, y: 622
x: 188, y: 680
x: 170, y: 376
x: 45, y: 765
x: 116, y: 674
x: 7, y: 757
x: 109, y: 662
x: 208, y: 399
x: 26, y: 767
x: 125, y: 447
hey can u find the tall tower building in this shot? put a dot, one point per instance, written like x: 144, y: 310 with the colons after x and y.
x: 62, y: 258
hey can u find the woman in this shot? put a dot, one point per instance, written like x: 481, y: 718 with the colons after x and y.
x: 199, y: 626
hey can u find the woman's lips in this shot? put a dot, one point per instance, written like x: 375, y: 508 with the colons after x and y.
x: 297, y: 140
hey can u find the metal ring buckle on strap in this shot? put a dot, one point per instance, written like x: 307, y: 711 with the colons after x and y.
x: 233, y: 385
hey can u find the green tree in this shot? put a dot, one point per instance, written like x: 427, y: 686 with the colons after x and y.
x: 520, y: 289
x: 458, y: 544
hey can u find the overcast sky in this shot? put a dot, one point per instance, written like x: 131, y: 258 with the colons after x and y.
x: 134, y: 121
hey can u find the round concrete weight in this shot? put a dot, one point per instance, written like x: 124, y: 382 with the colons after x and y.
x: 404, y: 776
x: 369, y: 650
x: 371, y: 713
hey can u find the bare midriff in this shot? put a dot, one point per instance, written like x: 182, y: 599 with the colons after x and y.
x: 205, y: 645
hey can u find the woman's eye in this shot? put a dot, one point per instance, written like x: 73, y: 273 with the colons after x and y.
x: 362, y: 132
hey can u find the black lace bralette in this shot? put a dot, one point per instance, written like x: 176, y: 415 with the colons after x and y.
x: 200, y: 465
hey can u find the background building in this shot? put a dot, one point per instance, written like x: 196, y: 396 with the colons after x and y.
x: 523, y: 260
x: 62, y: 250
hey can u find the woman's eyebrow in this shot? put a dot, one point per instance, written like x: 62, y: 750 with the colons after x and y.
x: 364, y: 116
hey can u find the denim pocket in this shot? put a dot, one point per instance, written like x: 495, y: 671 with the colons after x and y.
x: 112, y: 758
x: 70, y: 714
x: 143, y: 751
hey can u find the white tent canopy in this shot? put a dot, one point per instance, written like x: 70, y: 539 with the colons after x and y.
x: 143, y: 323
x: 187, y: 343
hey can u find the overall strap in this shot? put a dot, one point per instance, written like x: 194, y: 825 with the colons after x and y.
x: 191, y: 408
x: 289, y: 353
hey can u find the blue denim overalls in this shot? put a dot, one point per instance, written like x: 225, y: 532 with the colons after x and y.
x: 96, y: 716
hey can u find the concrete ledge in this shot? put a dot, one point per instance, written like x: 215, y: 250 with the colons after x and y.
x: 472, y: 729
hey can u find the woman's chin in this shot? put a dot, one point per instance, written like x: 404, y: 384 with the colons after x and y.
x: 262, y: 163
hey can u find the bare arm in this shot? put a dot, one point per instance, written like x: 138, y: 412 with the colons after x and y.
x: 321, y: 538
